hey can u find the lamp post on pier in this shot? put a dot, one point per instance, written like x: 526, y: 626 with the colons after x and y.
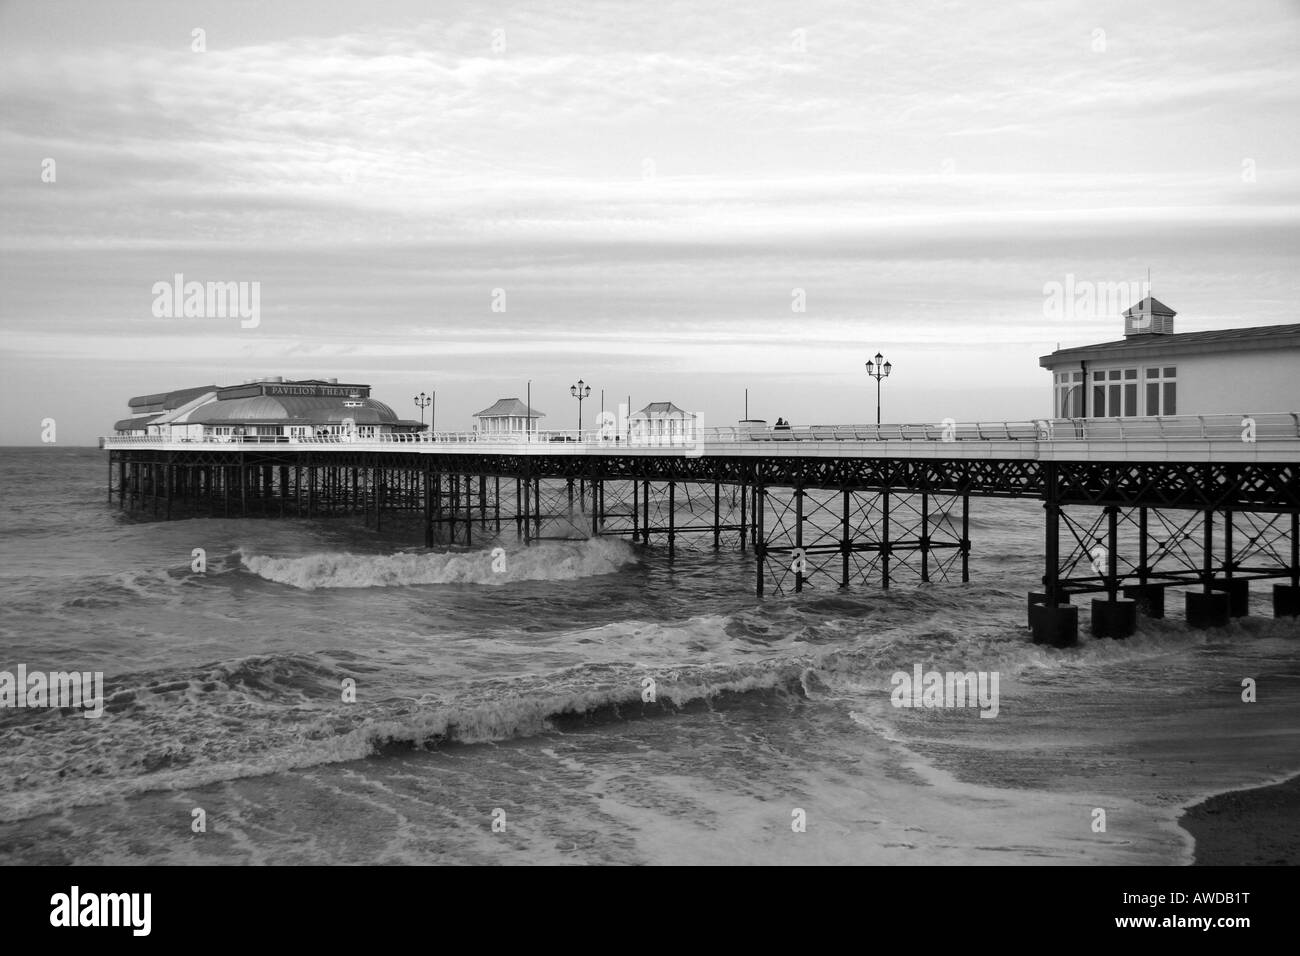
x: 580, y: 391
x: 424, y: 401
x: 878, y: 370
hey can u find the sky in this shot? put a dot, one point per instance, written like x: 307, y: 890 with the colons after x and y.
x: 669, y: 201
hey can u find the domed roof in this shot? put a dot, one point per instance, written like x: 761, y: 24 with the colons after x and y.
x: 280, y: 410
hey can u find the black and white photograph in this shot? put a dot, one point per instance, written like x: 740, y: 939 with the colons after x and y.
x: 651, y: 434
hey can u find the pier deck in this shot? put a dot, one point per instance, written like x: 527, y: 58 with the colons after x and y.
x: 1202, y: 502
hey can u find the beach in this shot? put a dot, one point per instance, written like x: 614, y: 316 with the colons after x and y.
x: 1256, y: 827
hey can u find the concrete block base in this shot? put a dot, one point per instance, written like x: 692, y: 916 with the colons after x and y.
x: 1207, y: 609
x: 1057, y: 626
x: 1150, y: 598
x: 1238, y: 591
x: 1116, y: 618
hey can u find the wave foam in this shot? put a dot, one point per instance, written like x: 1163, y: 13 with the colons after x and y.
x: 144, y: 742
x: 548, y: 561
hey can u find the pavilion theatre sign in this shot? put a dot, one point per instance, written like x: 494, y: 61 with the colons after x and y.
x: 317, y: 391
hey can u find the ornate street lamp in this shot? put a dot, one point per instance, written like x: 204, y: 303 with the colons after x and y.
x: 878, y: 370
x: 580, y: 391
x: 424, y: 401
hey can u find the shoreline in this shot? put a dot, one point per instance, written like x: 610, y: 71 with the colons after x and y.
x: 1255, y: 826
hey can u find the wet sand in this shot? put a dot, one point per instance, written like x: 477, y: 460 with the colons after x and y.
x: 1258, y: 827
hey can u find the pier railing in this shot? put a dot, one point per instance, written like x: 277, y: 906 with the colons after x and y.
x: 1174, y: 428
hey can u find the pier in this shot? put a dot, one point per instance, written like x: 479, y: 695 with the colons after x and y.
x: 1131, y: 506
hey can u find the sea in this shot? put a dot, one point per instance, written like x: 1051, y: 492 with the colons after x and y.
x: 322, y: 693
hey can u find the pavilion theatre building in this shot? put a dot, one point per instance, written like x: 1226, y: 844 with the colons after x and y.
x: 270, y: 409
x: 1156, y: 371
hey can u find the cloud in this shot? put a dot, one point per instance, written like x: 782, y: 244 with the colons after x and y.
x: 648, y: 183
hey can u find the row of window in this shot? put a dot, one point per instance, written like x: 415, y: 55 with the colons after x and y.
x: 295, y: 431
x: 1117, y: 392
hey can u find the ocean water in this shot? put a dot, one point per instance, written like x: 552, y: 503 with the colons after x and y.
x: 499, y: 717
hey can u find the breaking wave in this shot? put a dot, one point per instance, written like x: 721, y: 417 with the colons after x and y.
x: 548, y: 561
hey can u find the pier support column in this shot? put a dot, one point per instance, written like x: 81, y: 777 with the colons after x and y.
x: 1143, y: 572
x: 1113, y: 617
x: 760, y: 541
x: 636, y: 513
x: 1149, y: 598
x: 537, y: 507
x: 521, y: 528
x: 925, y: 537
x: 744, y: 522
x: 469, y: 510
x: 846, y: 542
x: 1057, y: 625
x: 884, y: 539
x: 1112, y: 552
x: 519, y: 509
x: 453, y: 506
x: 1238, y: 591
x: 428, y: 505
x: 1040, y: 597
x: 1286, y: 600
x: 1286, y: 597
x: 482, y: 501
x: 800, y: 560
x: 717, y: 516
x: 436, y: 481
x: 672, y: 520
x: 1051, y: 622
x: 965, y: 538
x: 1206, y: 609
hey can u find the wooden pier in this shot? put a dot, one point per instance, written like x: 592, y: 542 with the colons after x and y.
x: 1131, y: 506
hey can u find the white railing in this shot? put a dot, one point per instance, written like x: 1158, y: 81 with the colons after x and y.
x: 1263, y: 426
x: 1271, y: 425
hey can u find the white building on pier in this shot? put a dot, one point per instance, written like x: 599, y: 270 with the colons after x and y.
x: 1156, y: 371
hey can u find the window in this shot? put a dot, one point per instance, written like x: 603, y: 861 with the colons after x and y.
x: 1068, y: 387
x: 1162, y: 390
x: 1114, y: 392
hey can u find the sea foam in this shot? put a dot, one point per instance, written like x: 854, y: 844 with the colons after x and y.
x: 548, y: 561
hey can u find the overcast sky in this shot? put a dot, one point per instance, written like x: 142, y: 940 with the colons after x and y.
x: 649, y: 183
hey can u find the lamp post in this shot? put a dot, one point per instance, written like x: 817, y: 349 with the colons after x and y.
x: 878, y: 370
x: 423, y: 401
x: 580, y: 391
